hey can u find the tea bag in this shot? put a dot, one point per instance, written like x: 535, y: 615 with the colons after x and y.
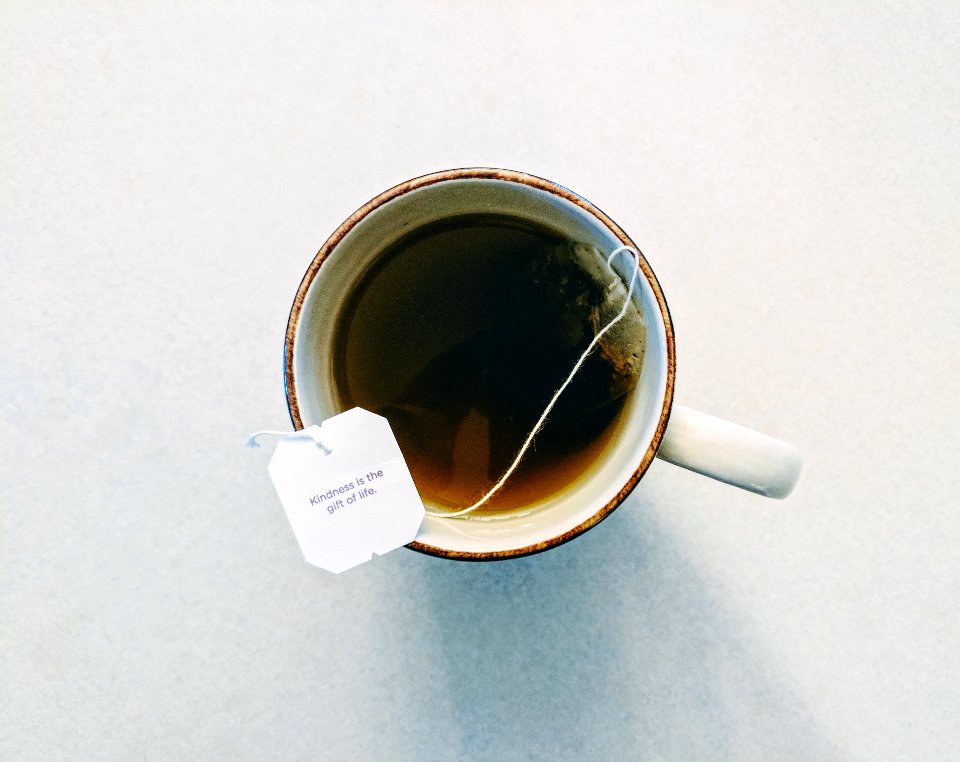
x: 566, y: 295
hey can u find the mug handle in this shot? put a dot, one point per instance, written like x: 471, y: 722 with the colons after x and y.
x: 730, y: 453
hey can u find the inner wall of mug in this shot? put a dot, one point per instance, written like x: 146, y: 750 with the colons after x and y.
x: 355, y: 255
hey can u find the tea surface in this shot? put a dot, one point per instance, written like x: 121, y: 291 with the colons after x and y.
x: 458, y: 337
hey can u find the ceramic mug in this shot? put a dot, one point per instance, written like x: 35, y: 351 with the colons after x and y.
x: 652, y: 425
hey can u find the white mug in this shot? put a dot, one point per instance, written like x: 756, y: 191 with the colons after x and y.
x: 652, y: 424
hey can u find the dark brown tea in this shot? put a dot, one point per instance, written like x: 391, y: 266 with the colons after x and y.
x: 461, y: 333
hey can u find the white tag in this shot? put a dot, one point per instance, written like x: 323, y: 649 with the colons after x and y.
x: 347, y: 490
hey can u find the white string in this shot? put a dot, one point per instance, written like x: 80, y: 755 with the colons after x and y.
x: 251, y: 441
x: 543, y: 418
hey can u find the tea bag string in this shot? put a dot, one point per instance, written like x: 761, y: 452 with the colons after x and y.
x: 556, y: 396
x: 251, y: 441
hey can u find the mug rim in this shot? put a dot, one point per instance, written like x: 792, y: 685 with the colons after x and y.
x: 522, y: 178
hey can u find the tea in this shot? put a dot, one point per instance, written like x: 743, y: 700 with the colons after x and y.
x: 460, y: 334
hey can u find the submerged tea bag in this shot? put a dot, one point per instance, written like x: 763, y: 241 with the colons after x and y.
x: 570, y: 296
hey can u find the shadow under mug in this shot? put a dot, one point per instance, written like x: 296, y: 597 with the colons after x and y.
x: 693, y: 440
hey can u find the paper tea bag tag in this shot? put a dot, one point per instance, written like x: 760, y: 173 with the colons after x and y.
x: 347, y: 490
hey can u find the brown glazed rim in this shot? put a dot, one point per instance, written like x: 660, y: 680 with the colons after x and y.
x: 483, y: 173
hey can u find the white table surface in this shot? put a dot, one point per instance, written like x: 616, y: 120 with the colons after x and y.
x: 167, y: 171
